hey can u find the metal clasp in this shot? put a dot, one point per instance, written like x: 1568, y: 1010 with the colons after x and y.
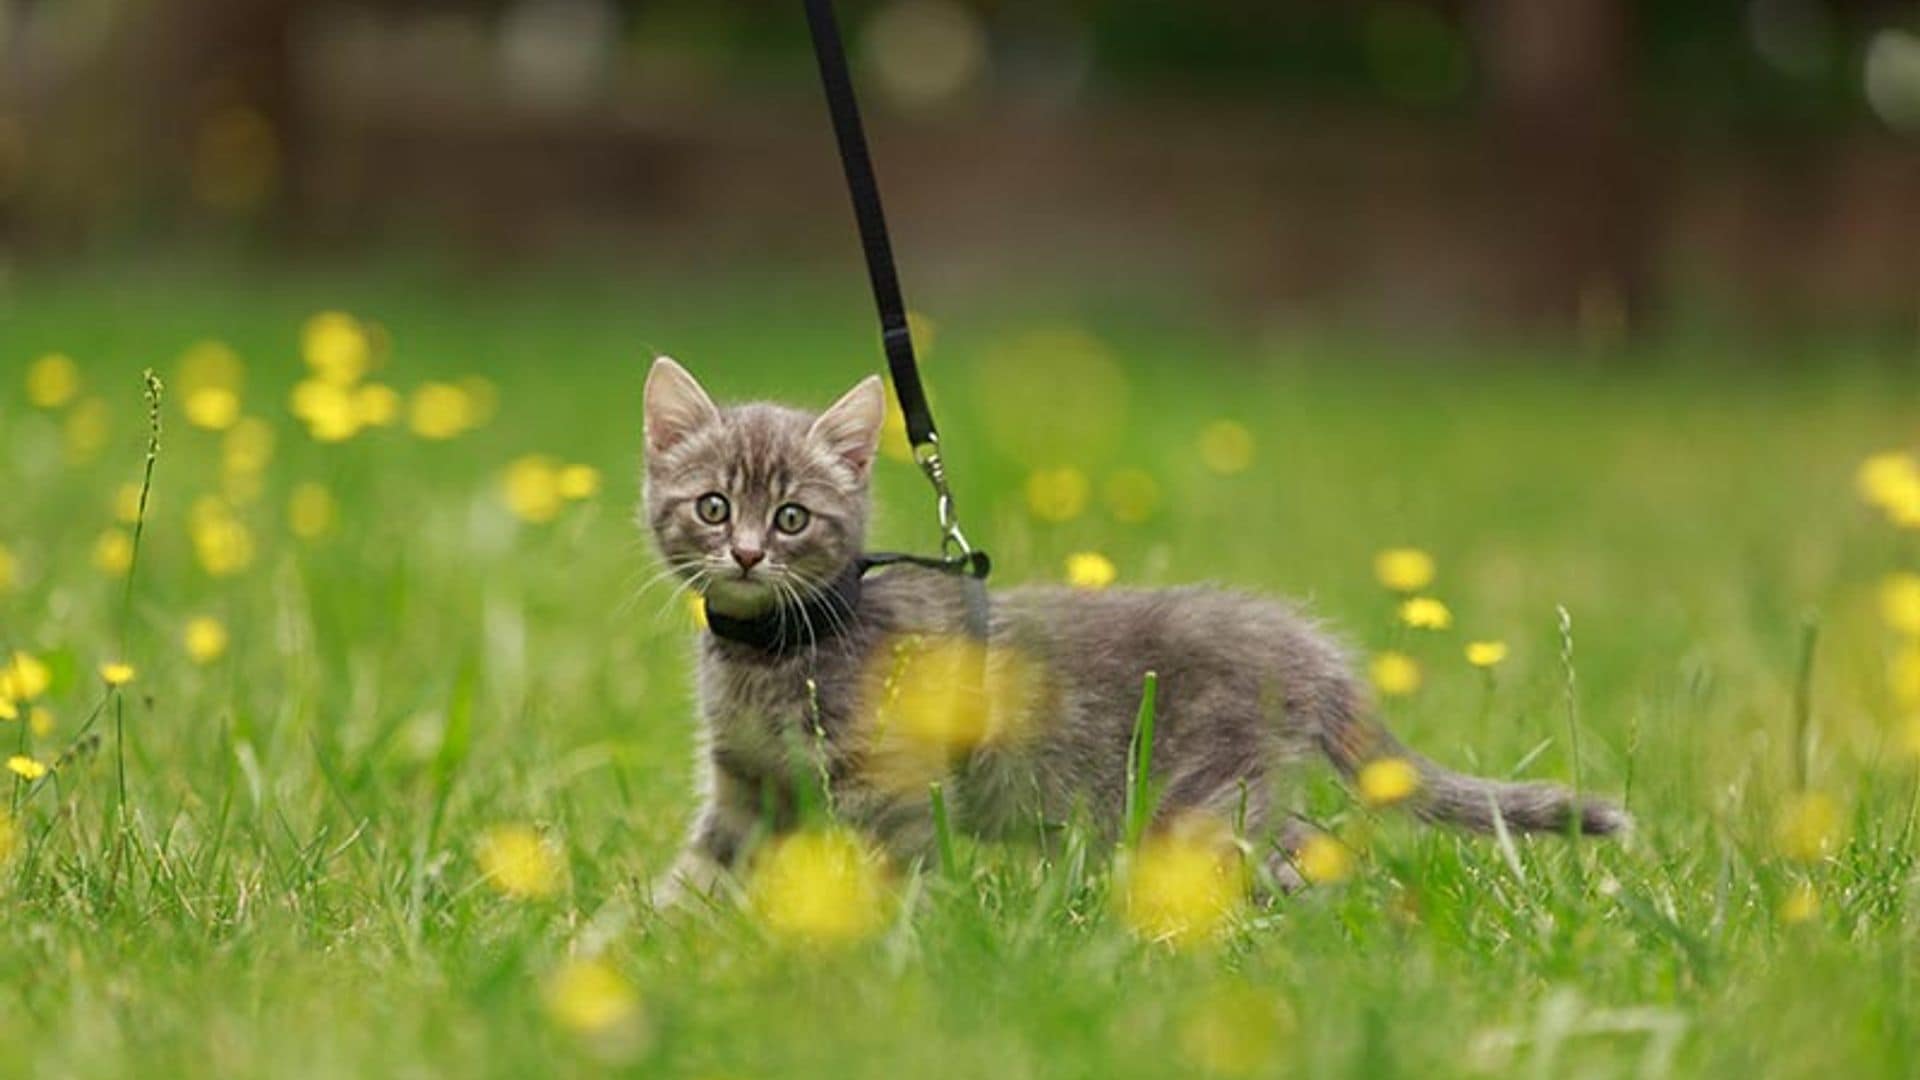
x: 953, y: 542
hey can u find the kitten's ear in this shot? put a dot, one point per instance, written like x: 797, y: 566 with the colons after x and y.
x: 851, y: 428
x: 676, y: 406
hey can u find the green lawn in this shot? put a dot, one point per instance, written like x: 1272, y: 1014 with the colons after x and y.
x: 292, y: 884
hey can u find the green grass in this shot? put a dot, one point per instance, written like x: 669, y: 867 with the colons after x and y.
x: 290, y: 886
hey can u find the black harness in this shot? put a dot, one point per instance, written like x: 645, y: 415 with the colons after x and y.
x: 788, y: 629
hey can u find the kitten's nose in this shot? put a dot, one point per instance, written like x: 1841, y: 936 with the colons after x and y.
x: 748, y: 557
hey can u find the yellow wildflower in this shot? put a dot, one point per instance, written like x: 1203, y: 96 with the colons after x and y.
x: 1185, y: 883
x: 86, y: 431
x: 116, y: 673
x: 336, y: 347
x: 310, y: 510
x: 819, y: 887
x: 210, y: 365
x: 588, y: 997
x: 697, y: 610
x: 113, y: 552
x: 1888, y: 479
x: 25, y: 677
x: 376, y: 405
x: 1323, y: 860
x: 1900, y: 602
x: 1801, y: 905
x: 1486, y: 654
x: 1395, y: 674
x: 1385, y: 781
x: 1234, y: 1031
x: 53, y: 381
x: 214, y: 408
x: 205, y: 638
x: 26, y: 768
x: 1226, y: 447
x: 247, y: 446
x: 9, y: 839
x: 1903, y: 676
x: 1057, y: 495
x: 530, y: 487
x: 1132, y: 495
x: 328, y: 410
x: 1404, y: 569
x: 40, y: 722
x: 1090, y: 570
x: 441, y: 411
x: 578, y: 481
x: 1807, y: 827
x: 222, y: 543
x: 1425, y: 613
x: 521, y: 863
x: 8, y: 710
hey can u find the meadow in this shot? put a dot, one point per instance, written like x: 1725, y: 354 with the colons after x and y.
x: 399, y: 738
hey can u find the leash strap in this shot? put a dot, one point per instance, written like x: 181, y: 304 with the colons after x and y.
x: 895, y: 337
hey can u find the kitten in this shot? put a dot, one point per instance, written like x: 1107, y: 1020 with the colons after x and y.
x: 876, y: 687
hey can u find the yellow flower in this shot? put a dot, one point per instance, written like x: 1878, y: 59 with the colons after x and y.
x: 1486, y: 654
x: 1385, y: 781
x: 1132, y: 495
x: 1185, y: 883
x: 328, y: 410
x: 53, y: 381
x: 819, y: 887
x: 1226, y: 447
x: 116, y: 673
x: 9, y: 839
x: 336, y: 347
x: 247, y: 446
x: 588, y: 997
x: 1889, y: 479
x: 578, y: 481
x: 1801, y: 905
x: 9, y: 569
x: 26, y: 768
x: 25, y: 677
x: 1910, y: 737
x: 1404, y: 569
x: 1323, y: 860
x: 530, y: 487
x: 520, y: 863
x: 222, y: 543
x: 441, y: 411
x: 205, y: 638
x: 210, y: 365
x: 214, y: 408
x: 1395, y: 674
x: 1425, y: 613
x: 376, y: 405
x: 1090, y: 570
x: 1057, y: 495
x: 86, y: 431
x: 113, y: 552
x: 1807, y: 828
x: 1903, y: 676
x: 310, y: 510
x: 697, y: 610
x: 40, y: 722
x: 1234, y: 1031
x: 1900, y: 602
x: 8, y: 710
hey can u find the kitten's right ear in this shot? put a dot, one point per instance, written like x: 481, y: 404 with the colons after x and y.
x: 676, y: 406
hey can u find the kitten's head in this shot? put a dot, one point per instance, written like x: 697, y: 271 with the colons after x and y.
x: 757, y: 504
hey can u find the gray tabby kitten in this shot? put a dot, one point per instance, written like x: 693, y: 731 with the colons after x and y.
x: 763, y: 509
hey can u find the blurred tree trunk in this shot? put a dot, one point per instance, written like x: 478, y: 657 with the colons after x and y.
x: 1559, y: 78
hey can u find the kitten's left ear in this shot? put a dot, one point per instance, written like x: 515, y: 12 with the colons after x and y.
x: 851, y: 428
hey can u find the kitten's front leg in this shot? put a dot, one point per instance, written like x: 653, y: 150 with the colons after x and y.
x: 718, y: 838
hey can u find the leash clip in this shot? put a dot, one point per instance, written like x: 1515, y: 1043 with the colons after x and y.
x: 953, y: 541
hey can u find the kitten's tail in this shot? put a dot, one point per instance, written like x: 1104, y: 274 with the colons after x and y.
x: 1472, y: 802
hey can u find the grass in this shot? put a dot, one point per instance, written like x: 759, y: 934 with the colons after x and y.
x: 290, y: 884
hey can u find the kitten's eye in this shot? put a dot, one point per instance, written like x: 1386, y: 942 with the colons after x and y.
x: 712, y: 508
x: 791, y: 518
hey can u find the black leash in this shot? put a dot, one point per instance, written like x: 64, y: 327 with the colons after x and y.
x: 895, y: 337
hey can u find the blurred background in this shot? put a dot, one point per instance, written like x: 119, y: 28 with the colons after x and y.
x: 1593, y: 171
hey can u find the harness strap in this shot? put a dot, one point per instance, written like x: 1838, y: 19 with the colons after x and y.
x: 786, y: 629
